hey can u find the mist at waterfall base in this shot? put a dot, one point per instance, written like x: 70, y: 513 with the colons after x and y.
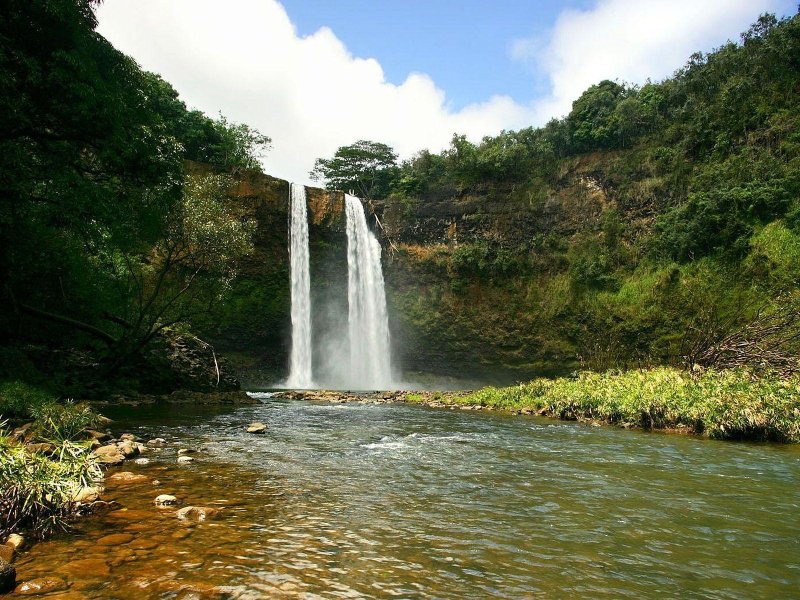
x: 354, y: 351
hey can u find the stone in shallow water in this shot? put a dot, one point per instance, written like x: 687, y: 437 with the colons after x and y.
x: 86, y: 494
x: 124, y: 477
x: 185, y: 459
x: 86, y: 568
x: 165, y: 500
x: 142, y: 461
x: 157, y: 443
x: 7, y: 552
x: 42, y: 585
x: 16, y: 540
x: 109, y: 455
x: 256, y: 428
x: 8, y: 577
x: 115, y: 539
x: 197, y: 513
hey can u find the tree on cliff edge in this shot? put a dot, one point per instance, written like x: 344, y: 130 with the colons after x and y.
x: 365, y: 167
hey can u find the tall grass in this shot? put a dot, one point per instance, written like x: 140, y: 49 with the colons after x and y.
x: 36, y: 491
x: 720, y: 404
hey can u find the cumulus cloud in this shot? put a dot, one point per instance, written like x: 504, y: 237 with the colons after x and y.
x: 311, y: 95
x: 630, y: 41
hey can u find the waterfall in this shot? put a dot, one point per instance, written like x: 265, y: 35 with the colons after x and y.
x: 368, y: 322
x: 300, y: 365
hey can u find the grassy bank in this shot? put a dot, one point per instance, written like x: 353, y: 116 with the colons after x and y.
x: 723, y: 405
x: 43, y: 461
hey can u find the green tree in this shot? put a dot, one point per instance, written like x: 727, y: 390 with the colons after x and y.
x: 367, y: 168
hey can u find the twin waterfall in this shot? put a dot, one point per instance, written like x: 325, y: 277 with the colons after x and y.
x: 300, y: 362
x: 367, y: 363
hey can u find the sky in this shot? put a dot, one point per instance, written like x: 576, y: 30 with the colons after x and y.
x: 318, y: 74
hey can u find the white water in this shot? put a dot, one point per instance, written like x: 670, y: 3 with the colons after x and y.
x: 368, y: 321
x: 300, y: 375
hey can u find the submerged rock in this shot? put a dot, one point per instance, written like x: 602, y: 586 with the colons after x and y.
x: 42, y: 585
x: 256, y: 428
x: 197, y: 513
x: 7, y: 552
x: 127, y: 477
x: 115, y: 539
x: 8, y: 577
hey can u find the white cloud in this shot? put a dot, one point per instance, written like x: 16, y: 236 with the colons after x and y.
x: 631, y: 41
x: 244, y: 58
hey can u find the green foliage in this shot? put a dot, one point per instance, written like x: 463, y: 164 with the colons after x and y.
x: 36, y: 491
x: 367, y: 168
x: 725, y: 405
x: 61, y: 423
x: 19, y: 400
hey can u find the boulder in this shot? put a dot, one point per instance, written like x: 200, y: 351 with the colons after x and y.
x: 93, y: 434
x: 129, y: 437
x: 16, y: 540
x: 44, y: 448
x: 8, y: 577
x: 128, y: 449
x: 109, y: 455
x: 256, y: 428
x: 185, y: 459
x: 42, y: 585
x: 86, y: 495
x: 183, y: 451
x: 165, y: 500
x: 197, y: 513
x: 156, y: 443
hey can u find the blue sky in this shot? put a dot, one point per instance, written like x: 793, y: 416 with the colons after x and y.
x: 465, y: 46
x: 318, y: 74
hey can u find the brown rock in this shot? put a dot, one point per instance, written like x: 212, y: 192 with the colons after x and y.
x: 197, y: 513
x: 128, y: 448
x: 8, y: 577
x: 86, y: 568
x: 115, y: 539
x: 126, y: 477
x: 86, y: 495
x: 109, y: 455
x: 7, y: 552
x: 16, y: 540
x: 256, y: 428
x: 165, y: 500
x: 43, y: 585
x: 93, y: 434
x: 128, y: 437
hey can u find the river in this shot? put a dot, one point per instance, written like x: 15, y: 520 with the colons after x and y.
x: 365, y: 500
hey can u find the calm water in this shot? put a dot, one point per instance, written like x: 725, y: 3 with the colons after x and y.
x: 358, y: 500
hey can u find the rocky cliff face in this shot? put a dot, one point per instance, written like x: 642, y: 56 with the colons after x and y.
x: 450, y: 313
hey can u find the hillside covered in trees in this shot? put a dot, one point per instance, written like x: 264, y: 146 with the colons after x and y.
x: 652, y: 225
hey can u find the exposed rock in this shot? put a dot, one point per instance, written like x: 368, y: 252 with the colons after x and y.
x: 99, y: 507
x: 142, y: 461
x: 42, y: 585
x: 256, y: 428
x: 105, y: 421
x: 8, y: 577
x: 43, y: 448
x: 7, y: 552
x: 183, y: 451
x: 165, y: 500
x: 127, y: 437
x: 92, y: 434
x: 128, y: 449
x: 185, y: 459
x: 124, y: 477
x: 114, y: 539
x: 109, y: 455
x: 16, y: 540
x: 197, y: 513
x: 86, y: 495
x: 23, y: 433
x: 156, y: 443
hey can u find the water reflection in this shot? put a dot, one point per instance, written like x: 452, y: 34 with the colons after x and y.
x: 346, y: 501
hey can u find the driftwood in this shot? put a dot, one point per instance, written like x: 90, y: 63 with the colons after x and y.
x: 767, y: 342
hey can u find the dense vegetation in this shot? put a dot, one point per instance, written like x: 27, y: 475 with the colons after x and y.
x: 104, y: 242
x: 694, y: 255
x: 722, y: 405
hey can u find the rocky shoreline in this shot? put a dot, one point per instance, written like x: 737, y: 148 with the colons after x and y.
x: 115, y: 454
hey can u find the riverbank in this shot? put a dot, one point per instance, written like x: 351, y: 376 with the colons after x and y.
x: 731, y: 405
x: 54, y: 456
